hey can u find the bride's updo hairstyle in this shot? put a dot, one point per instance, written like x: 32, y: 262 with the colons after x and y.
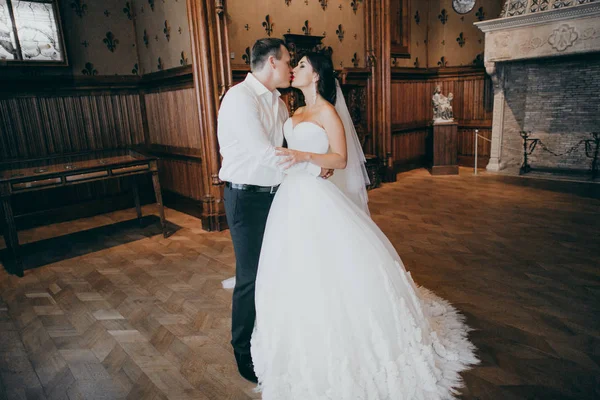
x: 323, y: 66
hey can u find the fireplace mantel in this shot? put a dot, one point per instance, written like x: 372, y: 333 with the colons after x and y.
x: 562, y: 31
x: 534, y: 29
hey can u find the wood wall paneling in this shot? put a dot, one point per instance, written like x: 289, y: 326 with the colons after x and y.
x: 38, y: 126
x: 58, y: 115
x: 411, y: 92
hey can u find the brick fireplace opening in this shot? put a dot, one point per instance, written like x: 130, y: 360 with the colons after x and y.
x: 544, y: 60
x: 557, y: 100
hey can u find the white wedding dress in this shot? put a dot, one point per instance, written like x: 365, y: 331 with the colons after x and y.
x: 338, y: 316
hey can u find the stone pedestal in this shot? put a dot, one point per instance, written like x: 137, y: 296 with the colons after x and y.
x: 443, y: 149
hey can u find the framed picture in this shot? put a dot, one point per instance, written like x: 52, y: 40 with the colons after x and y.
x: 463, y: 6
x: 31, y: 33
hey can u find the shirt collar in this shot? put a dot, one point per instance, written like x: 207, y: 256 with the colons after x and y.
x: 258, y: 87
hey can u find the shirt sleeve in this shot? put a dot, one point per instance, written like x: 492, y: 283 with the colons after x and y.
x: 239, y: 115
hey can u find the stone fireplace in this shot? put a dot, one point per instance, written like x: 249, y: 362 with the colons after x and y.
x: 544, y: 60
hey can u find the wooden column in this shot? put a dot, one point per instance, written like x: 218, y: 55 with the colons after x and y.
x: 212, y: 78
x: 377, y: 14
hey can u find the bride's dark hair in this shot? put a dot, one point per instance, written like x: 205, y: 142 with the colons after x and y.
x: 323, y: 66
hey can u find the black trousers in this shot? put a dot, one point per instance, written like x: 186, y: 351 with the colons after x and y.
x: 247, y: 217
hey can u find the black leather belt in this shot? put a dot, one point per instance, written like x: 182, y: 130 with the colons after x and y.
x: 252, y: 188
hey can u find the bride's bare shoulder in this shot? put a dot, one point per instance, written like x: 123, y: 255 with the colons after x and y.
x: 328, y: 111
x: 299, y: 111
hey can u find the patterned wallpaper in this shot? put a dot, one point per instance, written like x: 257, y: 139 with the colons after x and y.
x: 162, y: 34
x: 442, y: 37
x: 99, y: 36
x: 120, y: 37
x: 125, y: 37
x: 340, y: 21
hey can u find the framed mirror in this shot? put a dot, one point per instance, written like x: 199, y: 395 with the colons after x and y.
x: 31, y: 33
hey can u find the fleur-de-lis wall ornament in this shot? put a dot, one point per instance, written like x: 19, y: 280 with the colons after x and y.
x: 80, y: 7
x: 179, y: 30
x: 247, y: 27
x: 355, y: 60
x: 323, y: 4
x: 145, y: 37
x: 480, y: 14
x: 289, y: 30
x: 183, y: 60
x: 89, y: 69
x: 151, y: 2
x: 417, y: 17
x: 128, y: 11
x: 306, y: 28
x: 85, y: 43
x: 478, y: 61
x: 416, y: 63
x: 167, y: 31
x: 160, y: 64
x: 340, y: 7
x: 246, y: 56
x: 135, y: 69
x: 443, y: 62
x: 110, y: 41
x: 156, y: 37
x: 340, y: 32
x: 287, y: 2
x: 268, y: 25
x: 461, y: 40
x: 443, y: 17
x: 106, y: 13
x: 354, y: 5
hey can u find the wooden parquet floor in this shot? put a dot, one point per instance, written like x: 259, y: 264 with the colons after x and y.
x: 143, y: 317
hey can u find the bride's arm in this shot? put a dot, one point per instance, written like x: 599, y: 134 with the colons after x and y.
x: 335, y: 159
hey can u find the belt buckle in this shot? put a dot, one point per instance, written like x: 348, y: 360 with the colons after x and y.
x: 271, y: 191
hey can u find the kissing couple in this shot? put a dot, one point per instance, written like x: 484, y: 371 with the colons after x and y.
x: 323, y: 307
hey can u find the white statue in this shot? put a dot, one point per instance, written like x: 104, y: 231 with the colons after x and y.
x: 442, y: 107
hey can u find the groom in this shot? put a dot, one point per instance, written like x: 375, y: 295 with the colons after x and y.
x: 250, y: 126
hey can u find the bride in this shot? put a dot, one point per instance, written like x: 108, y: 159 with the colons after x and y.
x: 338, y: 316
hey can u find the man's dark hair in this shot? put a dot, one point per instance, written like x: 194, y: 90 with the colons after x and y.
x: 262, y: 49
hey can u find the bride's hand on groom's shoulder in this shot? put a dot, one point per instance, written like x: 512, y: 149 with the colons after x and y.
x: 291, y: 157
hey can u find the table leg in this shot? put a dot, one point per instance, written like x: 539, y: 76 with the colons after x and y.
x: 11, y: 237
x: 136, y: 196
x: 161, y: 209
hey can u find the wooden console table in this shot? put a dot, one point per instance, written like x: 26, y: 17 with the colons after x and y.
x: 46, y: 173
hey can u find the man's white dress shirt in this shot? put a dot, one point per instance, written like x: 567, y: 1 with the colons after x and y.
x: 250, y: 126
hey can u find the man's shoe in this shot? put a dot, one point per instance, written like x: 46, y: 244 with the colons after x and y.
x: 245, y: 366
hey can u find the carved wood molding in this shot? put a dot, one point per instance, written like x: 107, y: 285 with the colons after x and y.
x: 400, y: 73
x: 212, y: 77
x: 172, y: 79
x: 378, y: 44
